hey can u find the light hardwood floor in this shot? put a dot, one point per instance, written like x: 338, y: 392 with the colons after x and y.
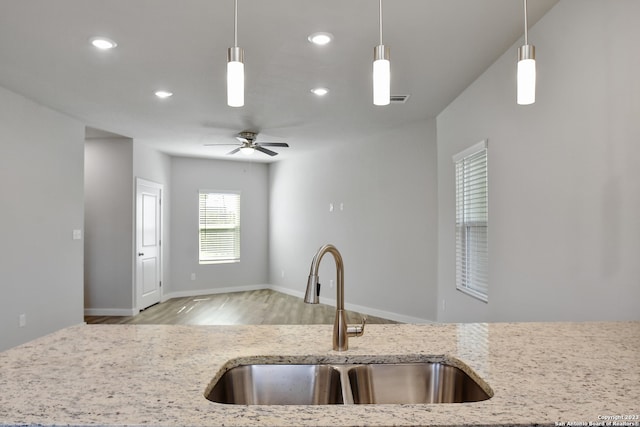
x: 261, y: 307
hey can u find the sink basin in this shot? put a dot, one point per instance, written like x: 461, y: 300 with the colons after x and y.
x: 345, y: 384
x: 413, y: 383
x: 279, y: 385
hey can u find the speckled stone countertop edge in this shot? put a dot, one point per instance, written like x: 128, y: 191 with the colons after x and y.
x: 541, y: 373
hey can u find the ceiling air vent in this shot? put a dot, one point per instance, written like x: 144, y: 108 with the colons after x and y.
x: 399, y: 99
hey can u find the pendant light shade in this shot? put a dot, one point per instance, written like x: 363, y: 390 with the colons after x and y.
x: 381, y: 76
x: 526, y: 73
x: 235, y: 68
x: 235, y: 77
x: 381, y: 71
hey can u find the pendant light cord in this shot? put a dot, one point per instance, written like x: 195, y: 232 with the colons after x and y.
x: 526, y: 25
x: 235, y: 24
x: 381, y: 22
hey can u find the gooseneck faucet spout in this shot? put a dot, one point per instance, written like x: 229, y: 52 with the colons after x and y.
x: 341, y: 331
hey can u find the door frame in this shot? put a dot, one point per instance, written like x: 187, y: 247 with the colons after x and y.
x: 137, y: 288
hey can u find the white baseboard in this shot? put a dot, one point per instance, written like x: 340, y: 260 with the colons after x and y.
x: 110, y: 312
x: 293, y: 293
x: 382, y: 313
x: 355, y: 307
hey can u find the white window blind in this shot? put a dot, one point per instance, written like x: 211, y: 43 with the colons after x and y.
x: 219, y: 227
x: 472, y: 221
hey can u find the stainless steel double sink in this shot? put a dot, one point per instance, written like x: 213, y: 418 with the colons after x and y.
x: 338, y: 384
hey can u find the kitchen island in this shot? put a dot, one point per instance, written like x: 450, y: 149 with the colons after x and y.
x: 116, y: 375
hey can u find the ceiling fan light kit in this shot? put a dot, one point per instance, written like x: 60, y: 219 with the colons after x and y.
x: 247, y: 151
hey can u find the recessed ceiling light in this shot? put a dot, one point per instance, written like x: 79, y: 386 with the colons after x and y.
x: 320, y: 39
x: 320, y: 91
x: 163, y: 94
x: 103, y: 43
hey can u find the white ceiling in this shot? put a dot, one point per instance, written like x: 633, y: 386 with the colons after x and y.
x: 438, y: 47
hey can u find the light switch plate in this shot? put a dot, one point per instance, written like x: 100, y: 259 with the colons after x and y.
x: 77, y: 234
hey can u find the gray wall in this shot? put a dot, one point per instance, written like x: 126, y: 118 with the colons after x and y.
x: 109, y: 226
x: 152, y: 165
x: 386, y: 233
x: 564, y: 182
x: 111, y: 164
x: 252, y: 180
x: 41, y: 168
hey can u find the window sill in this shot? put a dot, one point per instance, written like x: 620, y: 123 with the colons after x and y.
x: 224, y: 261
x: 474, y: 294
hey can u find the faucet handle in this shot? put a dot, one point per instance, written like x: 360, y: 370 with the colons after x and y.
x: 357, y: 331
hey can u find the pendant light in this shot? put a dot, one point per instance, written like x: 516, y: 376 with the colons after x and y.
x: 381, y: 71
x: 235, y: 68
x: 526, y: 68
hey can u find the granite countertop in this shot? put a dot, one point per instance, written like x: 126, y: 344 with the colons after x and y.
x: 134, y: 375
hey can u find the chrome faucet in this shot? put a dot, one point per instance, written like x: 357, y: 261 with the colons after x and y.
x: 341, y: 331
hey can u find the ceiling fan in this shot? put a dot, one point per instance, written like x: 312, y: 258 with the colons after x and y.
x: 248, y: 144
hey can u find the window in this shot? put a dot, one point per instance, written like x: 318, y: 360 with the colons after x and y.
x: 219, y: 227
x: 472, y: 221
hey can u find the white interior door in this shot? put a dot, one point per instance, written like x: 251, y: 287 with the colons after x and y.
x: 148, y: 243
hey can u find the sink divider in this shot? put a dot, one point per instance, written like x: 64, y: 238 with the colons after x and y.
x: 345, y: 384
x: 344, y: 365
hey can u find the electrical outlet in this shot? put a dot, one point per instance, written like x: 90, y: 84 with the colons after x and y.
x: 330, y: 207
x: 331, y: 283
x: 193, y: 276
x: 22, y: 320
x: 282, y: 273
x: 444, y: 305
x: 77, y: 234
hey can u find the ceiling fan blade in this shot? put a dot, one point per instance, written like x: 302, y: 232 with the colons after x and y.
x: 233, y: 151
x: 265, y: 151
x: 272, y: 144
